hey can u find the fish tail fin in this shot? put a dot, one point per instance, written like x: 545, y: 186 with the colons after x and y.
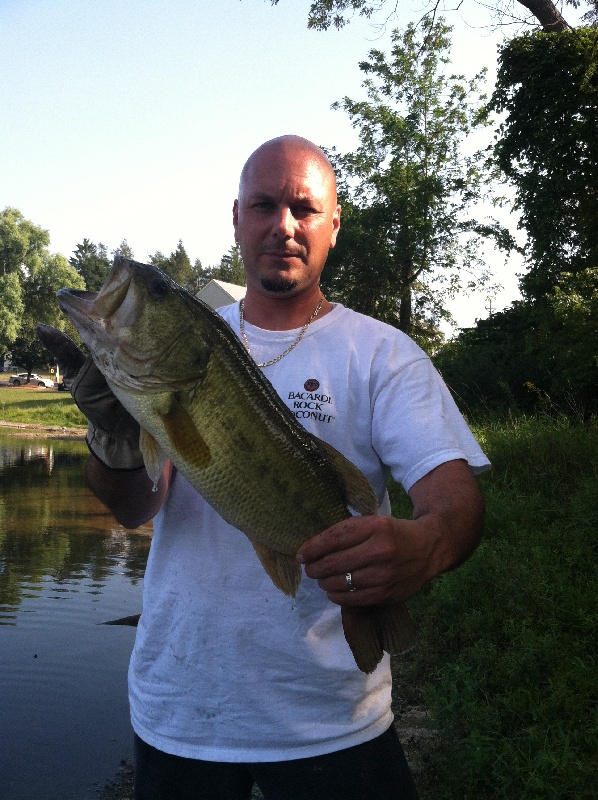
x: 396, y: 628
x: 370, y: 631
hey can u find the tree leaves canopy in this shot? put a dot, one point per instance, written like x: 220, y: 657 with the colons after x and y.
x: 324, y: 13
x: 30, y: 276
x: 547, y: 146
x: 92, y: 263
x: 407, y: 239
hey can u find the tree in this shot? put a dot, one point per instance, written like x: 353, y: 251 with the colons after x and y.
x: 30, y: 276
x: 39, y: 294
x: 547, y: 146
x: 408, y: 242
x: 324, y: 13
x: 531, y: 356
x: 11, y: 311
x: 22, y: 245
x: 198, y: 277
x: 123, y: 249
x: 230, y: 268
x: 177, y: 265
x: 92, y: 263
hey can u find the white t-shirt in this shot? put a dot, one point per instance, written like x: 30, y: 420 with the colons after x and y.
x: 227, y: 668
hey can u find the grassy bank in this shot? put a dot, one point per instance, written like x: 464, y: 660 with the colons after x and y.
x: 506, y: 662
x: 24, y: 405
x: 507, y: 659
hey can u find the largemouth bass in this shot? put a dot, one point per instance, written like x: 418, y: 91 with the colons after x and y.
x: 202, y: 402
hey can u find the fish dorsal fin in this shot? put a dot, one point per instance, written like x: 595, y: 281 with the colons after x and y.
x: 284, y: 571
x: 184, y: 436
x: 358, y: 491
x: 153, y: 457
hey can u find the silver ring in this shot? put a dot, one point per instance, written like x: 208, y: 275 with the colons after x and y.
x: 350, y: 585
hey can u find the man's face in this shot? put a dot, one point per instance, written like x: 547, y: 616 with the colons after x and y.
x: 286, y: 220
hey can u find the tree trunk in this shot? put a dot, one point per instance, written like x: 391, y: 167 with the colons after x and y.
x: 405, y: 303
x: 547, y: 15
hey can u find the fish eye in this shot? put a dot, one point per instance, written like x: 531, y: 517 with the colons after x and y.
x: 158, y: 288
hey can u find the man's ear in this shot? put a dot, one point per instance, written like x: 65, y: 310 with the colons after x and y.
x: 236, y: 218
x: 336, y: 224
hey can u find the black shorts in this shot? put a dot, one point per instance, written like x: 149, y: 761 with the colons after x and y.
x: 375, y: 770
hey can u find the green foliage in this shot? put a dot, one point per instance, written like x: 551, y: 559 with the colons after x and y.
x: 30, y: 276
x: 230, y: 268
x: 11, y: 308
x: 324, y: 13
x: 124, y: 249
x: 21, y: 243
x: 507, y: 659
x: 532, y: 356
x: 177, y: 266
x: 407, y: 242
x: 547, y: 145
x: 92, y: 263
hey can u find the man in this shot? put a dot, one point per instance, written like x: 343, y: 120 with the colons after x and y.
x: 230, y: 682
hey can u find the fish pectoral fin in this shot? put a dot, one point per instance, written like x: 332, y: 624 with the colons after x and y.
x: 356, y: 487
x: 184, y: 436
x: 153, y: 457
x: 283, y: 570
x: 371, y: 631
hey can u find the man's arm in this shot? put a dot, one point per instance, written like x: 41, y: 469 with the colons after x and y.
x: 129, y: 494
x: 392, y: 559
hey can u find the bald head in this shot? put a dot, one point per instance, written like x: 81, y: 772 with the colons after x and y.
x: 286, y: 147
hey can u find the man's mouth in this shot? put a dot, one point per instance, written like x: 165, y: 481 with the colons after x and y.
x: 283, y: 254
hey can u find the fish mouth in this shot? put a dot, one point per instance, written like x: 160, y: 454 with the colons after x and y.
x: 89, y: 310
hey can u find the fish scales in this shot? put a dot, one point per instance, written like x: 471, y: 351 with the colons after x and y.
x: 202, y: 402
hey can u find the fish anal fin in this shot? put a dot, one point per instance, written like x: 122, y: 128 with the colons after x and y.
x: 357, y: 489
x: 283, y: 570
x: 371, y: 631
x: 184, y: 436
x: 153, y: 457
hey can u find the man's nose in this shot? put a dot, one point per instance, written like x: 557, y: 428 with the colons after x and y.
x: 284, y: 224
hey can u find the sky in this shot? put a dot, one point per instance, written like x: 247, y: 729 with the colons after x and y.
x: 132, y: 120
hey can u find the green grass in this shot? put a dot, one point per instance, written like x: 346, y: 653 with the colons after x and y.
x: 39, y: 407
x: 507, y: 656
x: 507, y: 659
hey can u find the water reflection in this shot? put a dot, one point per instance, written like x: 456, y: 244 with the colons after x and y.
x: 65, y: 565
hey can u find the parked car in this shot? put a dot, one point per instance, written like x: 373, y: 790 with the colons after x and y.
x: 21, y: 378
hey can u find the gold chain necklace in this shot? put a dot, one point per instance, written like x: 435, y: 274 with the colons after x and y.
x: 315, y: 313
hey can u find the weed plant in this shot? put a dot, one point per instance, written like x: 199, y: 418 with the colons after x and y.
x: 507, y: 655
x: 39, y: 407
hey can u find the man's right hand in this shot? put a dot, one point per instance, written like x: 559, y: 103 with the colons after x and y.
x: 113, y: 434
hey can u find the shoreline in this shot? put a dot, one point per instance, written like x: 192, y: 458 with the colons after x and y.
x: 29, y: 430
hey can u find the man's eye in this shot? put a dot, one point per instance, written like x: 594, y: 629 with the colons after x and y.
x: 300, y: 212
x: 263, y: 205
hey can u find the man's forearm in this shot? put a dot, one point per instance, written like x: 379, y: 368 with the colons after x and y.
x: 449, y: 503
x: 129, y: 494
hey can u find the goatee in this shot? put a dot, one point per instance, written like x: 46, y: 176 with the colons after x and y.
x: 278, y: 284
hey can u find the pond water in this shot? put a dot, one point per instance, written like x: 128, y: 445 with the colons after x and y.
x: 65, y: 567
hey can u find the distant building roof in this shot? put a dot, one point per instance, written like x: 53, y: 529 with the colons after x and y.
x: 220, y: 293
